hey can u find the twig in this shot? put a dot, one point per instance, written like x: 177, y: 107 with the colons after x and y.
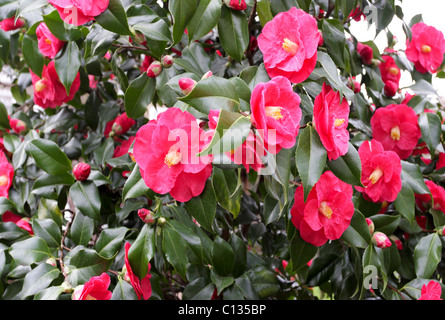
x: 62, y: 241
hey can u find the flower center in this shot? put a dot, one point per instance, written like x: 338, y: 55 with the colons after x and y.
x: 47, y: 41
x: 172, y: 158
x: 3, y: 180
x: 39, y: 86
x: 325, y: 210
x: 395, y: 133
x: 339, y: 122
x: 90, y: 297
x: 290, y: 47
x: 394, y: 71
x: 376, y: 175
x: 274, y: 112
x: 425, y: 48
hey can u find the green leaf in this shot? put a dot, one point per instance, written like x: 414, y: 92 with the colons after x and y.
x: 86, y: 198
x: 190, y: 237
x: 385, y: 223
x: 48, y: 156
x: 30, y: 251
x: 31, y: 53
x: 114, y: 19
x: 223, y: 257
x: 142, y: 251
x: 233, y: 32
x: 301, y: 252
x: 357, y: 234
x: 182, y: 12
x: 310, y: 157
x: 205, y: 18
x: 199, y: 289
x: 427, y: 255
x: 348, y: 168
x: 231, y: 131
x: 138, y: 95
x: 134, y: 186
x: 58, y: 28
x: 335, y: 40
x: 48, y: 180
x: 38, y: 279
x: 110, y: 241
x: 430, y: 126
x: 4, y: 120
x: 81, y: 229
x: 48, y: 230
x: 213, y: 93
x: 203, y: 207
x: 124, y: 291
x: 220, y: 282
x: 264, y: 11
x: 228, y: 193
x: 175, y: 250
x: 405, y: 203
x: 412, y: 176
x: 70, y: 57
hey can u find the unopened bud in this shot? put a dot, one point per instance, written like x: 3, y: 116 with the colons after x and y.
x: 186, y: 85
x: 51, y: 261
x: 380, y: 240
x: 154, y: 69
x: 208, y: 74
x: 320, y: 40
x: 161, y: 221
x: 66, y: 287
x: 370, y: 225
x: 17, y: 125
x: 441, y: 231
x: 354, y: 85
x: 146, y: 215
x: 397, y: 241
x: 81, y: 171
x: 390, y: 89
x: 236, y: 4
x: 167, y: 61
x: 375, y: 62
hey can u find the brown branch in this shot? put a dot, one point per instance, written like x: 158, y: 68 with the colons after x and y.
x: 62, y: 241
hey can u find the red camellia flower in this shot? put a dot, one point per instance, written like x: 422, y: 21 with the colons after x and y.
x: 389, y: 70
x: 327, y: 212
x: 357, y: 14
x: 142, y: 287
x: 78, y: 12
x: 396, y: 128
x: 123, y: 148
x: 426, y: 48
x: 48, y: 44
x: 289, y: 45
x: 95, y: 289
x: 49, y: 91
x: 248, y: 154
x: 6, y: 175
x: 236, y: 4
x: 165, y: 150
x: 9, y: 24
x: 431, y: 291
x: 365, y: 52
x: 21, y: 222
x: 438, y: 193
x: 381, y: 172
x: 441, y: 162
x: 331, y: 121
x: 276, y: 113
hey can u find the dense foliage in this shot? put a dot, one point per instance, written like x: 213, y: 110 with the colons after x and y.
x: 208, y: 149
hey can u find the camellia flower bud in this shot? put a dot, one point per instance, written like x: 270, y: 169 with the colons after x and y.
x: 154, y: 69
x: 390, y: 88
x: 397, y: 241
x: 380, y: 240
x: 51, y: 261
x: 167, y: 61
x: 370, y: 225
x: 186, y: 85
x: 354, y: 85
x: 208, y: 74
x: 236, y: 4
x: 17, y: 125
x: 146, y: 215
x: 81, y: 171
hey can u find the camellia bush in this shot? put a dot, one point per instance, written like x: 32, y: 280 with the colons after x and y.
x: 225, y: 150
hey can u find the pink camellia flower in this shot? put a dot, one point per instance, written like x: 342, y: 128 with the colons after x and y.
x: 380, y: 240
x: 289, y: 45
x: 396, y: 128
x: 381, y: 172
x: 142, y: 287
x: 248, y: 154
x: 331, y: 121
x: 438, y: 193
x: 431, y: 291
x: 82, y: 171
x: 49, y: 91
x: 276, y: 113
x: 165, y: 150
x: 327, y: 212
x: 123, y: 148
x: 236, y: 4
x: 48, y: 44
x: 95, y: 289
x: 78, y: 12
x: 389, y: 70
x: 21, y: 222
x: 9, y: 24
x: 146, y: 215
x: 426, y: 48
x: 365, y: 52
x: 6, y: 175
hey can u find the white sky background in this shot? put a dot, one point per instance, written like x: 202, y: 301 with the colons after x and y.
x: 433, y: 14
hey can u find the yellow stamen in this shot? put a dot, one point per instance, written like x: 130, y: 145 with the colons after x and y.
x: 425, y: 48
x: 3, y: 180
x: 325, y: 210
x: 394, y: 71
x: 376, y: 175
x: 90, y: 297
x: 39, y: 86
x: 290, y: 47
x: 395, y: 133
x: 274, y: 112
x: 47, y: 41
x: 172, y: 158
x: 339, y: 122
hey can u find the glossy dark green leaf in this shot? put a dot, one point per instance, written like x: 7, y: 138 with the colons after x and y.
x: 412, y: 175
x: 81, y: 229
x: 357, y: 233
x: 48, y: 156
x: 30, y: 251
x: 182, y: 12
x: 110, y: 241
x: 138, y: 95
x: 203, y: 207
x: 142, y: 251
x: 228, y: 193
x: 430, y: 126
x: 301, y: 252
x: 86, y: 198
x: 233, y: 32
x: 34, y: 59
x: 69, y: 57
x: 48, y: 230
x: 348, y: 168
x: 405, y: 203
x: 114, y: 18
x: 38, y: 279
x: 58, y: 28
x: 223, y: 257
x: 175, y: 250
x: 4, y: 121
x: 427, y: 255
x: 205, y: 18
